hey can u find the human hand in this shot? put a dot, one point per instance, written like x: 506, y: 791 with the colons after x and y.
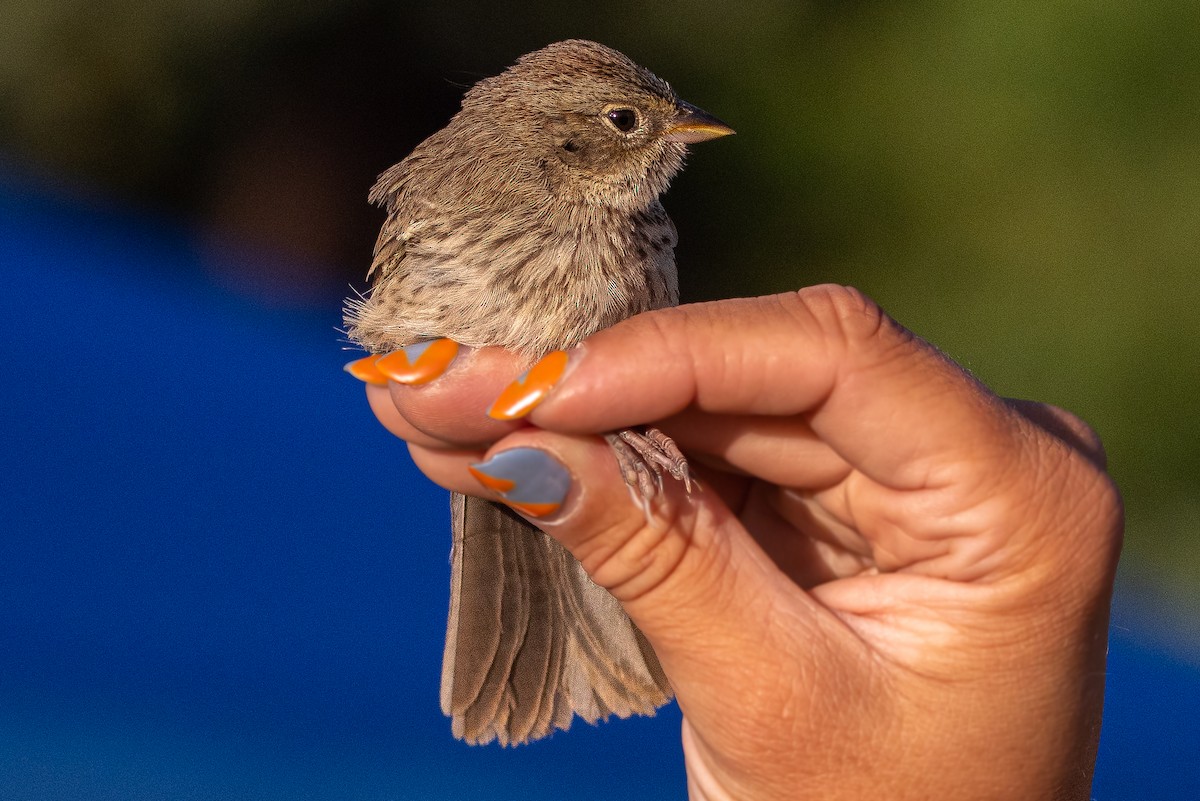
x: 894, y: 584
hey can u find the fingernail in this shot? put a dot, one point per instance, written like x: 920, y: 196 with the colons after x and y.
x: 527, y: 479
x: 522, y: 395
x: 420, y: 362
x: 364, y: 369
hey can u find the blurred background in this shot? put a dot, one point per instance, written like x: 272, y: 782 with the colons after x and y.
x: 220, y: 579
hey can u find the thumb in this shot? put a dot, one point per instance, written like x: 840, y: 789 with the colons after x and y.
x: 688, y: 574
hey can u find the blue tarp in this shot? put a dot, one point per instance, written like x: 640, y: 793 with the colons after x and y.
x: 220, y: 578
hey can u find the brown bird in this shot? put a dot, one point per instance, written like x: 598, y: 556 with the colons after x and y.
x: 531, y: 221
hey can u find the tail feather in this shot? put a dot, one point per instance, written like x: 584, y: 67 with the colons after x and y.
x: 531, y: 640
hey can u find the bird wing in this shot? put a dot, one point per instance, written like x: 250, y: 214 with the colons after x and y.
x: 531, y: 640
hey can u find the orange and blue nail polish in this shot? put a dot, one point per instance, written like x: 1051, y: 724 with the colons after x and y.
x: 418, y: 363
x: 522, y: 395
x: 364, y: 369
x: 527, y: 479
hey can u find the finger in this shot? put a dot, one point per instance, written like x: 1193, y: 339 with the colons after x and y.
x: 450, y: 468
x: 803, y: 540
x: 779, y: 450
x: 380, y: 400
x: 678, y: 553
x: 884, y: 400
x: 449, y: 410
x: 627, y: 547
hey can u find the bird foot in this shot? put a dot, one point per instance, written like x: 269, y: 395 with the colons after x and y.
x: 644, y: 456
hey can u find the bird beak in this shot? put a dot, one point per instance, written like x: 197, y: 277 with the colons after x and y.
x: 695, y: 125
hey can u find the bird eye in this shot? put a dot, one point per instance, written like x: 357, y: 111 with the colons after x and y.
x: 623, y: 119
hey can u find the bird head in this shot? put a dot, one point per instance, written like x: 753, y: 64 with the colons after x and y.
x: 604, y: 129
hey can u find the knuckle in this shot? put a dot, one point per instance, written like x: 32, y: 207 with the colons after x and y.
x: 855, y: 331
x: 1065, y: 426
x: 1071, y: 507
x: 842, y: 310
x: 1083, y: 436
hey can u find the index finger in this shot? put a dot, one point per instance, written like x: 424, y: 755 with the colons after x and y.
x: 450, y: 412
x: 886, y: 401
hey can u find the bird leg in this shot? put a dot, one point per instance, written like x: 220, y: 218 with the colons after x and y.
x: 661, y: 450
x: 643, y: 456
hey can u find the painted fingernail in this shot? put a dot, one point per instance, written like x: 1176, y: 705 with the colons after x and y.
x: 364, y: 369
x: 522, y: 395
x: 527, y: 479
x: 420, y: 362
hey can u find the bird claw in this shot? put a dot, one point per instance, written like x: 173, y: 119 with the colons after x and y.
x: 660, y: 452
x: 643, y: 457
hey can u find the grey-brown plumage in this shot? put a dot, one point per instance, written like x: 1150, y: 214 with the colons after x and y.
x: 531, y: 221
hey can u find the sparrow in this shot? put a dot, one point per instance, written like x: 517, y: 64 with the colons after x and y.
x: 531, y: 221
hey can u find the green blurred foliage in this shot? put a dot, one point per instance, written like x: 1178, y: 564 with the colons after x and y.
x: 115, y: 89
x: 1018, y: 182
